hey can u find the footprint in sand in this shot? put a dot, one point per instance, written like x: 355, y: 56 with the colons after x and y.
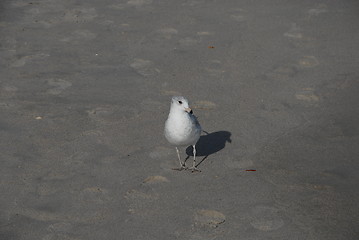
x: 167, y: 33
x: 308, y: 95
x: 144, y: 67
x: 31, y: 58
x: 294, y: 32
x: 170, y: 93
x: 208, y: 217
x: 80, y: 15
x: 308, y: 62
x: 139, y: 3
x: 155, y: 179
x: 204, y: 33
x: 58, y: 86
x: 204, y: 105
x: 80, y: 36
x: 320, y: 9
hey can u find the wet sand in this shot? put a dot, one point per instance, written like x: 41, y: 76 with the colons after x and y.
x: 85, y: 89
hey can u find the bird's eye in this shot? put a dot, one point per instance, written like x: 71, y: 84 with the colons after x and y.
x: 180, y: 102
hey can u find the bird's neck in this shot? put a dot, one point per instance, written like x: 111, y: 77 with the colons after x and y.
x: 176, y: 114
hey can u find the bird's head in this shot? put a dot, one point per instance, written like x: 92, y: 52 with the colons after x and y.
x: 180, y: 103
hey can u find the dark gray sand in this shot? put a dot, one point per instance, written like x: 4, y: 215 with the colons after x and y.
x: 85, y: 88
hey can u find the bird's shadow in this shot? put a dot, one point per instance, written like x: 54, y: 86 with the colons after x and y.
x: 209, y: 144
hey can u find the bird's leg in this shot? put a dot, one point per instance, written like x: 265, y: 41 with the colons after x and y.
x: 194, y: 168
x: 182, y: 165
x: 179, y: 157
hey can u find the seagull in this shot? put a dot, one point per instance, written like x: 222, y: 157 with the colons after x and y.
x: 182, y: 129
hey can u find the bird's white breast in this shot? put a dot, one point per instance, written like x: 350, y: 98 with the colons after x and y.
x: 181, y: 129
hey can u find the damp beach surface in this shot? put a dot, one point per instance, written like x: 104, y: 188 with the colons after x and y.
x: 85, y: 88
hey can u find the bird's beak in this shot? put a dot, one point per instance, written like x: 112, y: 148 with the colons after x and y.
x: 188, y: 110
